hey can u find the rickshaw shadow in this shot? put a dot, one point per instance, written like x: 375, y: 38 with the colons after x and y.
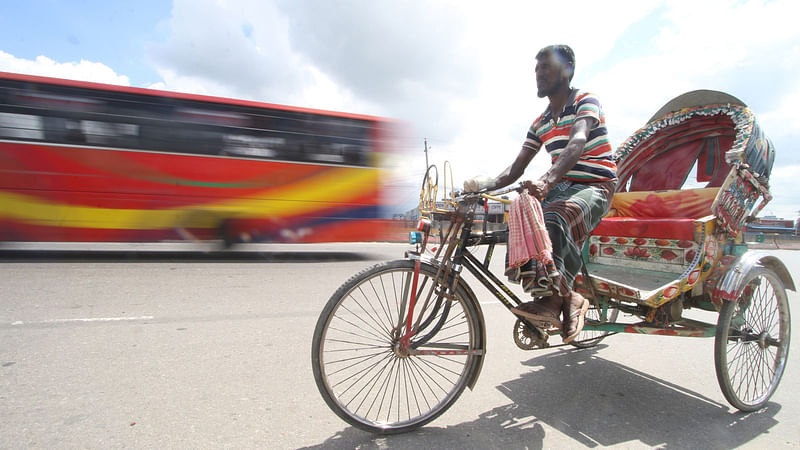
x: 595, y: 403
x: 598, y: 402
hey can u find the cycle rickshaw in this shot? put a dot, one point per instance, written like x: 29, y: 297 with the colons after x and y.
x: 397, y: 343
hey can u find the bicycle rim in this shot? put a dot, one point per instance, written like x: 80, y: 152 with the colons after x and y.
x: 360, y: 371
x: 752, y: 342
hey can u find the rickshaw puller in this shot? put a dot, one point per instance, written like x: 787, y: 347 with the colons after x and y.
x: 575, y: 192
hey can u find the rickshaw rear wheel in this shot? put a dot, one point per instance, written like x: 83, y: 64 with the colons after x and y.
x: 752, y: 341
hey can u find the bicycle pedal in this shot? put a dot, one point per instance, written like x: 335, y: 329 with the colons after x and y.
x: 546, y: 325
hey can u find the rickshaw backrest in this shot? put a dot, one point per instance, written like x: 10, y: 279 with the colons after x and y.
x: 688, y: 203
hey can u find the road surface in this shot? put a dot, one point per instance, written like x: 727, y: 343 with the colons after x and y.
x: 208, y: 350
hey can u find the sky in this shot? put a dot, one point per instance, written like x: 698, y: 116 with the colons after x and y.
x: 459, y: 73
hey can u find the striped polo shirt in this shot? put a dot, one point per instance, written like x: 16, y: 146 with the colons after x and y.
x: 595, y: 163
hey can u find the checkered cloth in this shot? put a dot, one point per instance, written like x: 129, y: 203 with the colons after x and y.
x: 527, y: 235
x: 530, y: 252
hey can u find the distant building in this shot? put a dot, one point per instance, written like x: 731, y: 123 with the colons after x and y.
x: 772, y: 225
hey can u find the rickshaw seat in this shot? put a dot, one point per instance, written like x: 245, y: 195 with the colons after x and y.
x: 647, y: 227
x: 657, y: 214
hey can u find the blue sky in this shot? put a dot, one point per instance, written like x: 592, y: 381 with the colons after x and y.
x: 459, y: 72
x: 115, y: 33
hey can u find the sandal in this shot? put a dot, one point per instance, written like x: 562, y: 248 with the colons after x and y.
x: 575, y: 319
x: 538, y: 313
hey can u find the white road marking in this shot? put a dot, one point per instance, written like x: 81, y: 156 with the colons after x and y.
x: 490, y: 302
x: 87, y: 319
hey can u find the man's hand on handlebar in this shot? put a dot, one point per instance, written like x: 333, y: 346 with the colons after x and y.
x: 538, y: 189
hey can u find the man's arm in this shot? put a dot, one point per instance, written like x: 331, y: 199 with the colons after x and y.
x: 516, y: 169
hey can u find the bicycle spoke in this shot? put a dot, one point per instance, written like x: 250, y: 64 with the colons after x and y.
x: 427, y: 376
x: 385, y: 306
x: 377, y: 339
x: 381, y: 329
x: 358, y: 361
x: 372, y: 306
x: 433, y: 367
x: 364, y: 373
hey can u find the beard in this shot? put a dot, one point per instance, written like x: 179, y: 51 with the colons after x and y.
x: 544, y: 91
x: 547, y: 89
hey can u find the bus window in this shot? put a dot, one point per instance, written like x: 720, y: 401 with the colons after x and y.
x: 109, y: 133
x: 59, y: 102
x: 252, y: 146
x: 21, y: 126
x: 211, y: 117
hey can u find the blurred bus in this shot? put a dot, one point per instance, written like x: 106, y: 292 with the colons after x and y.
x: 88, y: 162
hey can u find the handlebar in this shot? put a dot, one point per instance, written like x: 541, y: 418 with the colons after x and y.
x: 489, y: 193
x: 430, y: 187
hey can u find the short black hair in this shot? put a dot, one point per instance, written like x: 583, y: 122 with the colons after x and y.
x: 564, y: 52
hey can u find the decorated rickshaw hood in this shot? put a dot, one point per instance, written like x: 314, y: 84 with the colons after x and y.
x: 699, y: 125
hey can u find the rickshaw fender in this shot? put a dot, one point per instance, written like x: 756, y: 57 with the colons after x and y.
x: 731, y: 285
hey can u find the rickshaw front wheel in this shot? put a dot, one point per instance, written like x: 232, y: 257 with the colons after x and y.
x: 372, y: 381
x: 752, y: 341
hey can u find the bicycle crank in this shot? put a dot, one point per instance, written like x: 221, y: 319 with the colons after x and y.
x: 528, y: 339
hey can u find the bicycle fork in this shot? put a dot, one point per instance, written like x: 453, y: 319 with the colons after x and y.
x: 404, y: 342
x: 439, y: 297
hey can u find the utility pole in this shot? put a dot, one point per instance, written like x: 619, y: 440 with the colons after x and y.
x: 426, y: 155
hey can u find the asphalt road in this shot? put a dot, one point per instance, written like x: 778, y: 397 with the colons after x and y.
x: 207, y: 350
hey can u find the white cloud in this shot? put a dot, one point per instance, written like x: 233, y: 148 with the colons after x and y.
x: 243, y: 50
x: 783, y: 184
x: 708, y: 45
x: 323, y: 93
x: 401, y: 60
x: 783, y: 122
x: 44, y: 66
x: 228, y: 49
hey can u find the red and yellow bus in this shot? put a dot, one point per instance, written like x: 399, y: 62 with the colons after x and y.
x: 92, y: 162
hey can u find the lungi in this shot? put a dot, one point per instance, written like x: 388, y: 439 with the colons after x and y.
x: 571, y: 211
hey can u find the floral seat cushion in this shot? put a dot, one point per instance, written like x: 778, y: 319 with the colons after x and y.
x: 657, y: 214
x: 646, y: 227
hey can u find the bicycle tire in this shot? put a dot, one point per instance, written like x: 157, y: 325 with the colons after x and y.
x: 751, y: 345
x: 360, y: 374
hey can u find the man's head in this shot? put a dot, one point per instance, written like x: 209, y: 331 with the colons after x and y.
x: 555, y: 67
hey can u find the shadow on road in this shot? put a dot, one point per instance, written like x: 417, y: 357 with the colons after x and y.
x: 181, y: 256
x: 593, y: 401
